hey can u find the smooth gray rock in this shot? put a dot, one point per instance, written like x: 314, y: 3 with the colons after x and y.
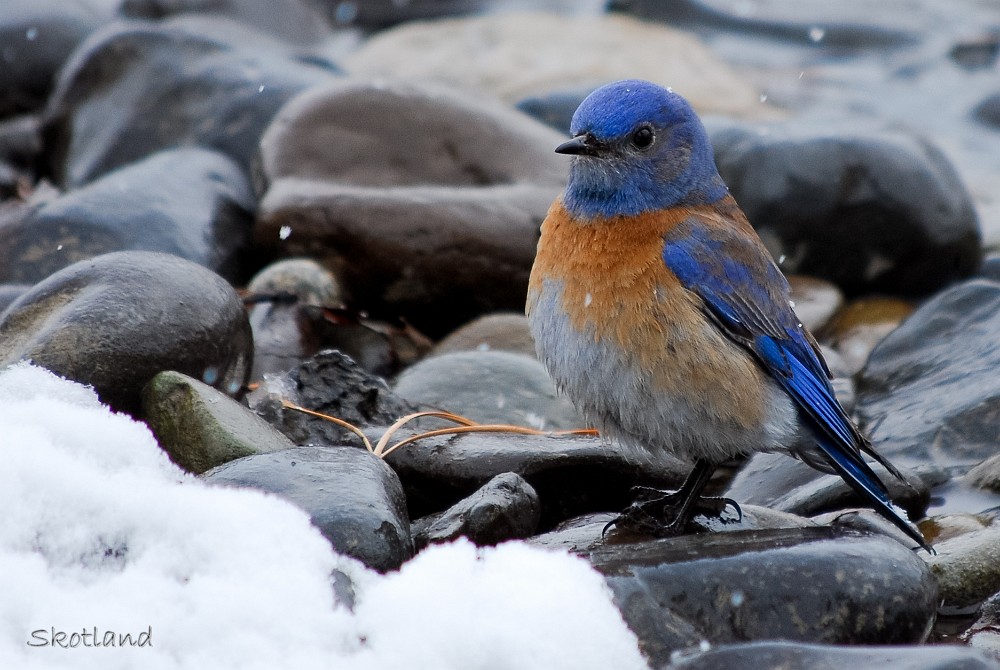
x: 930, y: 391
x: 115, y: 321
x: 489, y: 387
x: 353, y: 497
x: 189, y: 202
x: 505, y: 508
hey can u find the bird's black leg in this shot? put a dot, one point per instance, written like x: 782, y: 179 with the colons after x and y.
x: 667, y: 513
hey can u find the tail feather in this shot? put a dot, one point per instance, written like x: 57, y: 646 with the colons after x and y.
x: 863, y: 479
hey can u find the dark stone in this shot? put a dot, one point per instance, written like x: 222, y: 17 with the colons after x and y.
x: 378, y: 14
x: 803, y: 584
x: 200, y: 427
x: 37, y: 36
x: 353, y: 497
x: 572, y: 474
x: 785, y: 655
x: 505, y: 508
x: 191, y: 202
x: 930, y: 391
x: 988, y: 111
x: 503, y: 331
x: 489, y: 387
x: 115, y: 321
x: 21, y: 142
x: 555, y: 109
x: 789, y: 485
x: 991, y: 267
x: 420, y: 215
x: 296, y: 21
x: 977, y: 54
x: 870, y: 211
x: 786, y: 22
x: 333, y: 384
x: 176, y: 82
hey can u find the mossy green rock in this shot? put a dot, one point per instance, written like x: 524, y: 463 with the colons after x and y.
x: 200, y: 427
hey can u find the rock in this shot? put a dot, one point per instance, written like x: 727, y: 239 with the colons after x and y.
x: 353, y: 498
x: 849, y: 26
x: 190, y: 202
x: 870, y: 211
x: 815, y: 301
x: 943, y: 527
x: 986, y: 475
x: 489, y: 387
x: 488, y: 54
x: 333, y: 384
x: 785, y: 655
x: 590, y: 531
x: 967, y: 567
x: 857, y: 328
x: 378, y: 14
x: 802, y: 584
x: 929, y: 391
x: 991, y: 267
x: 501, y: 331
x: 555, y: 108
x: 505, y: 508
x: 420, y: 214
x: 987, y: 112
x: 984, y: 634
x: 177, y: 82
x: 283, y: 334
x: 789, y: 485
x: 115, y: 321
x: 296, y: 21
x: 977, y: 53
x: 37, y: 37
x: 200, y: 427
x: 20, y: 143
x: 572, y: 474
x: 11, y: 292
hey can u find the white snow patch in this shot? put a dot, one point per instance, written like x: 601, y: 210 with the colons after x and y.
x: 101, y: 530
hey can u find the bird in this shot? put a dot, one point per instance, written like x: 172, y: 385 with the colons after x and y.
x: 657, y: 309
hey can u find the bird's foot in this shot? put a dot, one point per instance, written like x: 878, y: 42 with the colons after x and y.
x: 670, y: 513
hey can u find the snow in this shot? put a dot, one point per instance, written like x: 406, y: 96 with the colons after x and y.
x: 99, y: 530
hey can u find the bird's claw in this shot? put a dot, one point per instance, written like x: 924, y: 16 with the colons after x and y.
x: 663, y: 513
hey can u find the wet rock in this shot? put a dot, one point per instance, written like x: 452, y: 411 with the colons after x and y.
x: 493, y: 332
x: 590, y: 531
x: 803, y: 584
x: 857, y: 328
x: 943, y: 527
x: 555, y: 109
x: 789, y: 485
x: 115, y: 321
x: 37, y: 37
x: 988, y: 111
x: 353, y: 497
x: 967, y: 567
x: 505, y: 508
x: 984, y: 634
x: 11, y: 292
x: 572, y: 474
x: 420, y: 214
x: 192, y: 203
x: 977, y: 53
x: 784, y: 655
x: 816, y: 301
x: 929, y: 390
x: 283, y: 333
x: 176, y: 82
x: 296, y: 21
x: 333, y: 384
x: 200, y: 427
x: 848, y: 26
x: 20, y: 144
x: 378, y: 14
x: 991, y: 267
x: 487, y: 53
x: 870, y: 211
x: 489, y: 387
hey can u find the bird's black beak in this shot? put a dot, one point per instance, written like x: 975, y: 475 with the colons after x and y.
x: 581, y: 145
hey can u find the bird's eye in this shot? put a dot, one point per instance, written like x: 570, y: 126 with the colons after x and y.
x: 643, y: 137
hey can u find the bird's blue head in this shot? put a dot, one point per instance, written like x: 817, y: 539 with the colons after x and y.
x: 638, y: 147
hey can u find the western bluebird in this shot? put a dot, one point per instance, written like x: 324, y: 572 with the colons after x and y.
x: 657, y: 309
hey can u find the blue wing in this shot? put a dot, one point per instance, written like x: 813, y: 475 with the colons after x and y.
x: 747, y: 297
